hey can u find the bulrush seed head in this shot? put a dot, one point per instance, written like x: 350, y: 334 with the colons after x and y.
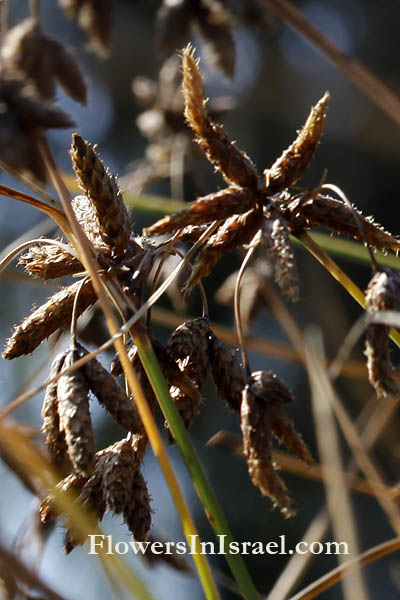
x: 261, y: 418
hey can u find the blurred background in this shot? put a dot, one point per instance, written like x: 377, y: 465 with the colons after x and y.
x: 278, y: 77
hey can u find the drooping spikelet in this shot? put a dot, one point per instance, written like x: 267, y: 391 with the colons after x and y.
x: 294, y: 161
x: 188, y: 346
x: 102, y: 190
x: 95, y: 17
x: 137, y: 514
x: 54, y: 438
x: 42, y: 60
x: 274, y: 236
x: 383, y: 293
x: 261, y: 418
x: 227, y: 373
x: 74, y: 415
x: 235, y: 166
x: 50, y: 261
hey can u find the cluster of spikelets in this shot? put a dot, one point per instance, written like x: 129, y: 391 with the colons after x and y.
x: 250, y: 212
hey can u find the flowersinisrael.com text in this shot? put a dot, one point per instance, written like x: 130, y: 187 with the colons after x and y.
x: 104, y: 544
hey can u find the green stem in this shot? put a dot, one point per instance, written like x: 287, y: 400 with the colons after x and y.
x: 201, y: 483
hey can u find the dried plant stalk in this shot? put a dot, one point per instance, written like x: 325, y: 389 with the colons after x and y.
x: 54, y: 314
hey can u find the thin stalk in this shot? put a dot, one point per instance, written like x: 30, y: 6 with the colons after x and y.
x: 339, y: 275
x: 85, y: 253
x: 202, y: 485
x: 327, y: 581
x: 238, y: 320
x: 370, y: 85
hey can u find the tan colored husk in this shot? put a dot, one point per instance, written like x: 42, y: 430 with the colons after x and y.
x: 188, y: 346
x: 48, y: 261
x: 119, y: 475
x: 137, y: 514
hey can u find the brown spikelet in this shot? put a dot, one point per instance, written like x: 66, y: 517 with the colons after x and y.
x: 236, y: 231
x: 137, y: 514
x: 383, y: 293
x: 45, y: 320
x: 112, y: 397
x: 337, y: 216
x: 262, y: 417
x: 24, y: 118
x: 215, y: 25
x: 188, y: 346
x: 42, y: 60
x: 218, y: 205
x: 293, y: 163
x: 257, y: 447
x: 54, y: 439
x: 119, y: 475
x: 227, y: 373
x: 274, y: 236
x: 235, y: 166
x: 75, y: 421
x: 102, y: 190
x: 95, y: 17
x: 48, y: 509
x: 50, y: 261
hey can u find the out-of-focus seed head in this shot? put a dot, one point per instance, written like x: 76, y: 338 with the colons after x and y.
x: 95, y: 17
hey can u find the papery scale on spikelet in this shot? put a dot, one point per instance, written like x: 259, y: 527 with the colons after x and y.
x: 54, y: 439
x: 50, y: 261
x: 75, y: 420
x: 119, y: 475
x: 45, y: 320
x: 235, y: 166
x: 227, y: 373
x: 102, y: 189
x: 215, y: 206
x: 188, y: 346
x: 294, y: 161
x: 236, y: 231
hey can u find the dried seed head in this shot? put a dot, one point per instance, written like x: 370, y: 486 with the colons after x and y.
x: 188, y: 407
x: 137, y: 514
x: 227, y: 373
x: 337, y: 216
x: 257, y: 447
x: 24, y: 117
x: 112, y: 397
x: 119, y: 475
x: 188, y: 346
x: 262, y: 417
x: 235, y: 166
x: 219, y: 205
x: 50, y: 261
x: 293, y: 163
x: 42, y: 60
x: 102, y: 190
x: 95, y: 17
x: 215, y: 24
x: 274, y: 236
x: 54, y: 439
x: 383, y: 293
x: 236, y: 231
x: 74, y: 415
x: 48, y: 509
x: 45, y: 320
